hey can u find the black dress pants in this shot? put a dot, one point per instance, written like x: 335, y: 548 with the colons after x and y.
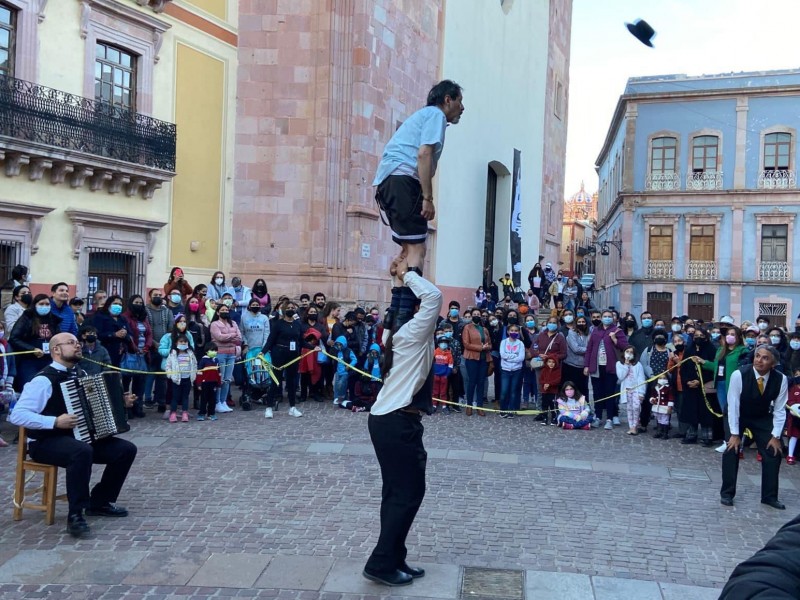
x: 770, y: 465
x: 397, y: 438
x: 78, y: 457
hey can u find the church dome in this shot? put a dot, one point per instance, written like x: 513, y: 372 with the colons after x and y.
x: 581, y: 197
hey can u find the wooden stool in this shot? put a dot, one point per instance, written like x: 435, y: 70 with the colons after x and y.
x: 48, y: 487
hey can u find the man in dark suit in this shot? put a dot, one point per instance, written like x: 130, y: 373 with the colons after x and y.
x: 757, y: 397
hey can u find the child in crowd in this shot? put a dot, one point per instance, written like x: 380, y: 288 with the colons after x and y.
x: 455, y: 382
x: 512, y: 360
x: 182, y: 371
x: 209, y: 379
x: 343, y: 353
x: 442, y: 368
x: 367, y: 387
x: 793, y: 419
x: 662, y: 406
x: 630, y: 374
x: 529, y: 389
x: 549, y: 380
x: 573, y: 410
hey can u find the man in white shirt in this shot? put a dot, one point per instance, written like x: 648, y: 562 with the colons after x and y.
x: 395, y: 428
x: 756, y: 400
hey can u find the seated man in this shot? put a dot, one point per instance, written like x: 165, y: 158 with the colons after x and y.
x: 42, y: 411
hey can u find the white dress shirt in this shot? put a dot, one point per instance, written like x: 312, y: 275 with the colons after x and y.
x: 778, y: 409
x: 32, y: 401
x: 413, y: 349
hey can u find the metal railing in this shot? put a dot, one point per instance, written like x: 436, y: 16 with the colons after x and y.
x: 773, y: 271
x: 659, y: 182
x: 777, y: 180
x: 708, y: 180
x: 660, y: 269
x: 43, y: 115
x: 702, y: 270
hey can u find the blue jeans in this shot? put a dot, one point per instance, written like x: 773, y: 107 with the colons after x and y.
x: 529, y: 389
x: 510, y: 396
x: 226, y: 373
x: 722, y: 396
x: 340, y: 386
x: 476, y: 379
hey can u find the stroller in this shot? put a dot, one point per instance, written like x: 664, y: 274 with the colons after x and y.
x: 258, y: 382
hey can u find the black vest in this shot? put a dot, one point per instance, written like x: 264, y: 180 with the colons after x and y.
x: 423, y: 399
x: 753, y: 404
x: 55, y: 404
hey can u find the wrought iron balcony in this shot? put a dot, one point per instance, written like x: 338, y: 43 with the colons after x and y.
x: 705, y: 181
x: 702, y: 270
x: 660, y: 269
x: 777, y: 180
x: 661, y: 182
x: 87, y: 140
x: 773, y: 271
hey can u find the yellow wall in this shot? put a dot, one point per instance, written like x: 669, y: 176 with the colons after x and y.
x: 197, y: 189
x: 214, y: 7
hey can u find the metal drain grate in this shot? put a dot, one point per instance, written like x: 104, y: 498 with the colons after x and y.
x: 492, y: 584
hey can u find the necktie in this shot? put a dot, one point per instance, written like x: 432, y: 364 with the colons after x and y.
x: 761, y: 385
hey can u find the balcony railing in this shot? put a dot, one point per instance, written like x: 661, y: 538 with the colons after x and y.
x: 706, y: 181
x: 773, y: 271
x: 659, y: 182
x: 702, y: 270
x: 660, y: 269
x: 777, y: 180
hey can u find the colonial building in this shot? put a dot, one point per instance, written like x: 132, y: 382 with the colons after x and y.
x: 116, y: 139
x: 580, y: 219
x: 699, y: 199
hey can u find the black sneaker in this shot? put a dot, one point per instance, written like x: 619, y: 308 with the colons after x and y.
x: 107, y: 510
x: 77, y: 525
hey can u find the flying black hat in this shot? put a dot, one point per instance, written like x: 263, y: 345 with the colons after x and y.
x: 642, y: 31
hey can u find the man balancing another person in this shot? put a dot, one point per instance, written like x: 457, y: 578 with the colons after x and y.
x: 42, y: 410
x: 395, y: 426
x: 404, y: 181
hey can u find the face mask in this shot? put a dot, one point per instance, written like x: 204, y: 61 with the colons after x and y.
x: 224, y: 315
x: 228, y: 302
x: 255, y: 309
x: 181, y: 326
x: 630, y: 323
x: 212, y: 353
x: 715, y: 335
x: 476, y: 320
x: 647, y: 322
x: 312, y: 317
x: 676, y: 328
x: 569, y: 393
x: 580, y: 314
x: 699, y: 340
x: 552, y: 327
x: 762, y: 326
x: 444, y: 345
x: 730, y: 339
x: 662, y: 381
x: 679, y: 347
x: 569, y: 319
x: 775, y: 340
x: 513, y: 320
x: 175, y: 298
x: 156, y: 300
x: 91, y: 338
x: 183, y: 347
x: 219, y: 280
x: 26, y: 298
x: 628, y: 356
x: 596, y: 322
x: 750, y: 341
x: 607, y: 321
x: 453, y: 313
x: 289, y: 312
x: 193, y: 306
x: 493, y: 322
x: 115, y: 309
x: 660, y: 340
x: 42, y: 310
x: 795, y: 344
x: 514, y: 335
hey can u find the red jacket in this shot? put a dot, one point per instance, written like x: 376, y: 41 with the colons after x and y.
x: 309, y: 362
x: 134, y: 327
x: 550, y: 376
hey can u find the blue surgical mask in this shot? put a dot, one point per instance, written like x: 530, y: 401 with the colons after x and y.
x: 454, y: 312
x: 775, y: 339
x: 795, y: 344
x: 115, y: 309
x: 715, y: 335
x: 183, y: 346
x: 448, y: 335
x: 750, y: 341
x: 530, y: 324
x: 42, y: 310
x: 607, y: 321
x: 580, y: 313
x: 552, y: 326
x: 444, y: 345
x: 647, y: 322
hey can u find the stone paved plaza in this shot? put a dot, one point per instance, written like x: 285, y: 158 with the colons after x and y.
x: 288, y: 508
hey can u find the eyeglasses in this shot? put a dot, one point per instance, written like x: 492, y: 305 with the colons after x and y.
x: 69, y: 343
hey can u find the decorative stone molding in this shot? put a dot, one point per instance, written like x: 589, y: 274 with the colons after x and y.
x: 40, y: 10
x: 144, y: 231
x: 33, y: 213
x: 37, y: 167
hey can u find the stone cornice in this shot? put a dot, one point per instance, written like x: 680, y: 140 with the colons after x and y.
x: 118, y: 221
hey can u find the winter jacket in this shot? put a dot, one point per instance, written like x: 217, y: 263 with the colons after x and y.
x: 373, y: 365
x: 173, y: 367
x: 67, y: 316
x: 107, y: 327
x: 23, y: 338
x: 227, y: 337
x: 208, y: 370
x: 344, y: 353
x: 630, y: 377
x: 549, y: 376
x: 165, y: 347
x: 183, y: 287
x: 600, y: 335
x: 310, y: 361
x: 442, y: 362
x: 98, y: 354
x: 555, y: 345
x: 134, y: 327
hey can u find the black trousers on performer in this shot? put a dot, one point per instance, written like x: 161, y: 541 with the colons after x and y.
x: 78, y: 457
x: 397, y: 438
x: 770, y: 464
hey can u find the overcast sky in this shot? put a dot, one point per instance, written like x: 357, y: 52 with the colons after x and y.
x: 694, y: 37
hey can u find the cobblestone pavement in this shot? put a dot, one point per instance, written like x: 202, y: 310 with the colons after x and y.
x: 216, y: 506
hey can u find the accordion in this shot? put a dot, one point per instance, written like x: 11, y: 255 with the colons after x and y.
x: 97, y: 402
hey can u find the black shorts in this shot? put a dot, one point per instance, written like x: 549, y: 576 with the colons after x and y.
x: 399, y: 198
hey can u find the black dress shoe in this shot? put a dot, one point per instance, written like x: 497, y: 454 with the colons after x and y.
x: 107, y: 510
x: 415, y: 572
x: 77, y: 525
x: 774, y: 504
x: 726, y: 501
x: 393, y: 579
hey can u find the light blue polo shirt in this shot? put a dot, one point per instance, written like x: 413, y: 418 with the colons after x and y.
x: 424, y: 127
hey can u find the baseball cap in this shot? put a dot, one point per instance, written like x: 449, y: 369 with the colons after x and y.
x: 728, y: 320
x: 753, y: 329
x: 76, y: 301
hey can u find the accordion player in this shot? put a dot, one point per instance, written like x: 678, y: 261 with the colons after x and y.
x: 96, y: 400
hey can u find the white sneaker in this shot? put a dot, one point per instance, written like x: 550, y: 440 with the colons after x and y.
x: 721, y: 448
x: 615, y: 420
x: 223, y: 408
x: 608, y: 425
x: 268, y: 413
x: 336, y: 402
x: 595, y: 423
x: 294, y: 412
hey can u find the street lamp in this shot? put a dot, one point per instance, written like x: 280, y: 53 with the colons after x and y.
x: 604, y: 244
